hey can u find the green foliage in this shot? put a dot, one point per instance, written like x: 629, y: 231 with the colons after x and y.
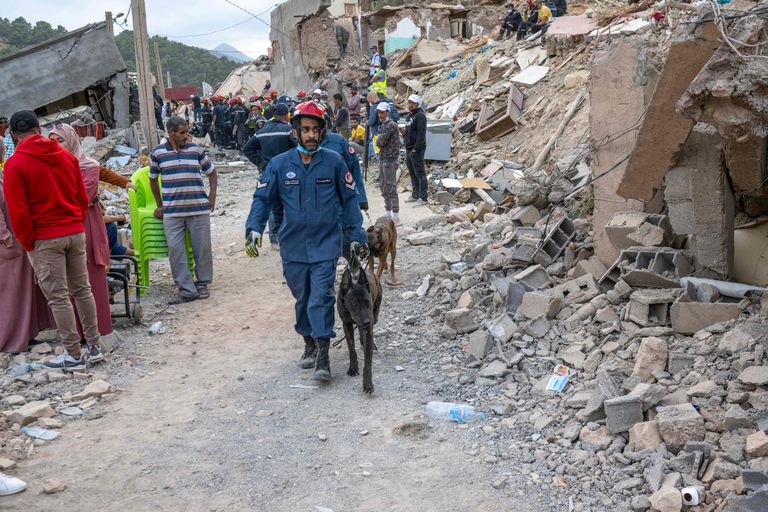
x: 19, y: 33
x: 188, y: 65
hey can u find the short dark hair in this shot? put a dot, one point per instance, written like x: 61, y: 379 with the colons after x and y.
x: 338, y: 96
x: 173, y: 123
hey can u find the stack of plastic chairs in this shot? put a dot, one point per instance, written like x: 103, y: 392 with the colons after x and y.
x: 147, y: 230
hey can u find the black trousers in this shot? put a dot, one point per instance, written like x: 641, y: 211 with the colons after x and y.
x: 415, y: 163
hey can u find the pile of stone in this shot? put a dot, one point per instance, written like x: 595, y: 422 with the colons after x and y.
x: 668, y: 383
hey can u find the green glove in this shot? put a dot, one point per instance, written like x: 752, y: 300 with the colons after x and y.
x: 252, y: 243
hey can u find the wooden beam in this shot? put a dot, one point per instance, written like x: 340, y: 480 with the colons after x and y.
x: 141, y: 45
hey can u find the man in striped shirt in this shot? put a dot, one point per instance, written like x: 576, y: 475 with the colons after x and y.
x: 184, y: 207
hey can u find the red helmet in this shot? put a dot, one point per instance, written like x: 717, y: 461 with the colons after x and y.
x: 301, y: 94
x: 273, y: 93
x: 309, y: 109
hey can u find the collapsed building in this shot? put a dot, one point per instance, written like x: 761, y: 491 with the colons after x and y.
x: 63, y: 78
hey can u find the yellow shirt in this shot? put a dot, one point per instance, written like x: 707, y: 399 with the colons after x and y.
x: 545, y: 14
x: 358, y: 133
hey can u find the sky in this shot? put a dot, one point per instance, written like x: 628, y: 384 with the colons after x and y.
x: 170, y: 19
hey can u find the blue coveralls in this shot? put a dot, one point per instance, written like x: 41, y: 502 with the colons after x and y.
x: 320, y: 206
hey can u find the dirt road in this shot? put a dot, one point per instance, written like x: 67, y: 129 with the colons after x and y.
x: 208, y: 421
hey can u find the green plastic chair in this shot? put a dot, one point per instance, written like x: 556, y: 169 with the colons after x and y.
x: 147, y: 231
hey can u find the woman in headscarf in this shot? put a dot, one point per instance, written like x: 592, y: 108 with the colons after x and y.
x: 96, y: 240
x: 24, y: 310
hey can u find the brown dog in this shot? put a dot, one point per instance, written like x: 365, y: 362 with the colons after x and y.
x: 382, y: 239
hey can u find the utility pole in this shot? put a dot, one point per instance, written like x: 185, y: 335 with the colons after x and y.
x: 159, y: 72
x: 170, y: 84
x: 141, y: 44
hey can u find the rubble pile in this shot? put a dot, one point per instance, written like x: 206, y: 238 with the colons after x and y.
x: 596, y: 317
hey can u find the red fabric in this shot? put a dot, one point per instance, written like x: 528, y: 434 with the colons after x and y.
x: 44, y: 190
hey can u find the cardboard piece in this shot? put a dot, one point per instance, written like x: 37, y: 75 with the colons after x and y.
x: 475, y: 183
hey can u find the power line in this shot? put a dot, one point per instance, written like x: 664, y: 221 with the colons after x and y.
x: 252, y: 16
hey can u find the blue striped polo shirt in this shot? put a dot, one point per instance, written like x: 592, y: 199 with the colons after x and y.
x: 182, y: 181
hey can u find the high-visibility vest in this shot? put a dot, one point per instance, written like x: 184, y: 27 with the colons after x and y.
x: 379, y: 82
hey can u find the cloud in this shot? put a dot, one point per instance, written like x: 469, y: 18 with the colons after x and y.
x: 192, y: 18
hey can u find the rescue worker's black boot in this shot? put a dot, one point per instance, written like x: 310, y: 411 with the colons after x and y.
x: 310, y: 353
x: 323, y: 364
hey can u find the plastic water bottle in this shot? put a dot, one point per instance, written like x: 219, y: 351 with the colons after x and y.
x: 156, y: 328
x: 454, y: 412
x: 40, y: 433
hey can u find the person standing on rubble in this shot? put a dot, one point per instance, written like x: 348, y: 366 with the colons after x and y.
x: 185, y: 208
x: 415, y: 146
x: 220, y: 122
x: 319, y: 196
x: 341, y: 126
x: 206, y: 116
x: 375, y: 60
x: 389, y: 143
x: 354, y: 100
x: 273, y: 139
x: 511, y: 23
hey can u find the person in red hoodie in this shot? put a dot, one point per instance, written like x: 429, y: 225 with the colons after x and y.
x: 47, y: 203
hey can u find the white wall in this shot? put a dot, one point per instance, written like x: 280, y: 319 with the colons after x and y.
x: 337, y: 7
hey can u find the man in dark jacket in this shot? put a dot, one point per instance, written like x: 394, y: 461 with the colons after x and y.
x: 342, y: 126
x: 415, y: 146
x: 274, y: 139
x: 206, y: 116
x: 389, y: 143
x: 512, y: 22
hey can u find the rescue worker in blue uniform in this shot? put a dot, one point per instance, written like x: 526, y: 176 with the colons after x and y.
x: 319, y: 197
x: 340, y: 145
x: 274, y: 138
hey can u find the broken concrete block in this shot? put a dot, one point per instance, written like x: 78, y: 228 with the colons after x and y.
x: 645, y: 436
x: 576, y: 291
x: 653, y: 267
x: 667, y: 499
x: 623, y: 412
x: 534, y: 276
x: 597, y: 439
x: 525, y: 216
x: 461, y: 320
x: 757, y: 444
x: 420, y: 238
x: 592, y: 266
x: 626, y: 223
x: 679, y: 424
x: 649, y: 394
x: 537, y: 328
x: 679, y: 362
x: 690, y: 317
x: 736, y: 417
x: 502, y: 328
x: 30, y: 412
x: 537, y: 305
x: 480, y: 343
x: 705, y: 388
x: 707, y: 293
x: 754, y: 480
x: 95, y: 388
x: 720, y: 469
x: 651, y: 357
x: 649, y: 308
x: 742, y: 338
x: 514, y: 298
x: 496, y: 369
x: 754, y: 376
x: 579, y: 399
x: 554, y: 242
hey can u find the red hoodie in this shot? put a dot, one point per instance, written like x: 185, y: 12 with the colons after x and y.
x: 44, y: 191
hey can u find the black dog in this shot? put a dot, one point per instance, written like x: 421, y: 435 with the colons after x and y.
x: 358, y: 304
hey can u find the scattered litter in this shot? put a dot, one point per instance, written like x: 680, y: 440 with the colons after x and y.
x: 301, y: 386
x: 560, y: 377
x: 156, y: 328
x: 40, y: 433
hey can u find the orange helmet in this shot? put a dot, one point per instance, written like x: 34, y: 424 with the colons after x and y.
x: 273, y: 93
x: 309, y: 109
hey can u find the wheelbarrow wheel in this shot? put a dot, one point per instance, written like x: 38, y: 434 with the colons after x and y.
x: 137, y: 313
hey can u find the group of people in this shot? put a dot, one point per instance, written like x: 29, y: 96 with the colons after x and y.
x: 539, y: 15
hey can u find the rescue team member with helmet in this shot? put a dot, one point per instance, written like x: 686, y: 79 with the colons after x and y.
x: 319, y: 197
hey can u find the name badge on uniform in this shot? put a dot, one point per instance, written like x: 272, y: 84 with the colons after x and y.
x: 262, y: 184
x: 323, y: 181
x: 291, y: 182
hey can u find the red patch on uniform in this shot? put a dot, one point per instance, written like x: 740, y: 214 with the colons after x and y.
x: 351, y: 150
x: 348, y: 178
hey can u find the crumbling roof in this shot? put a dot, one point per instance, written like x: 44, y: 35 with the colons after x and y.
x: 388, y: 10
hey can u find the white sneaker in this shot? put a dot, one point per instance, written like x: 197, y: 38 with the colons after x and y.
x: 421, y: 202
x: 10, y: 485
x: 66, y: 362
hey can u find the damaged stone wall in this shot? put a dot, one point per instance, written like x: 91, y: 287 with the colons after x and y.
x: 621, y: 79
x: 731, y: 93
x: 317, y: 43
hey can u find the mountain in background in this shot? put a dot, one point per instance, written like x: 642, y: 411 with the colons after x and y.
x: 188, y: 65
x: 227, y: 51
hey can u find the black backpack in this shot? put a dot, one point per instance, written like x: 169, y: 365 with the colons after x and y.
x: 383, y: 62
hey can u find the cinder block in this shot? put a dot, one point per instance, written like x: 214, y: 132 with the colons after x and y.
x: 555, y: 242
x: 650, y: 307
x: 653, y: 267
x: 622, y: 413
x: 538, y: 305
x: 525, y: 216
x: 576, y: 291
x: 690, y: 317
x: 535, y: 277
